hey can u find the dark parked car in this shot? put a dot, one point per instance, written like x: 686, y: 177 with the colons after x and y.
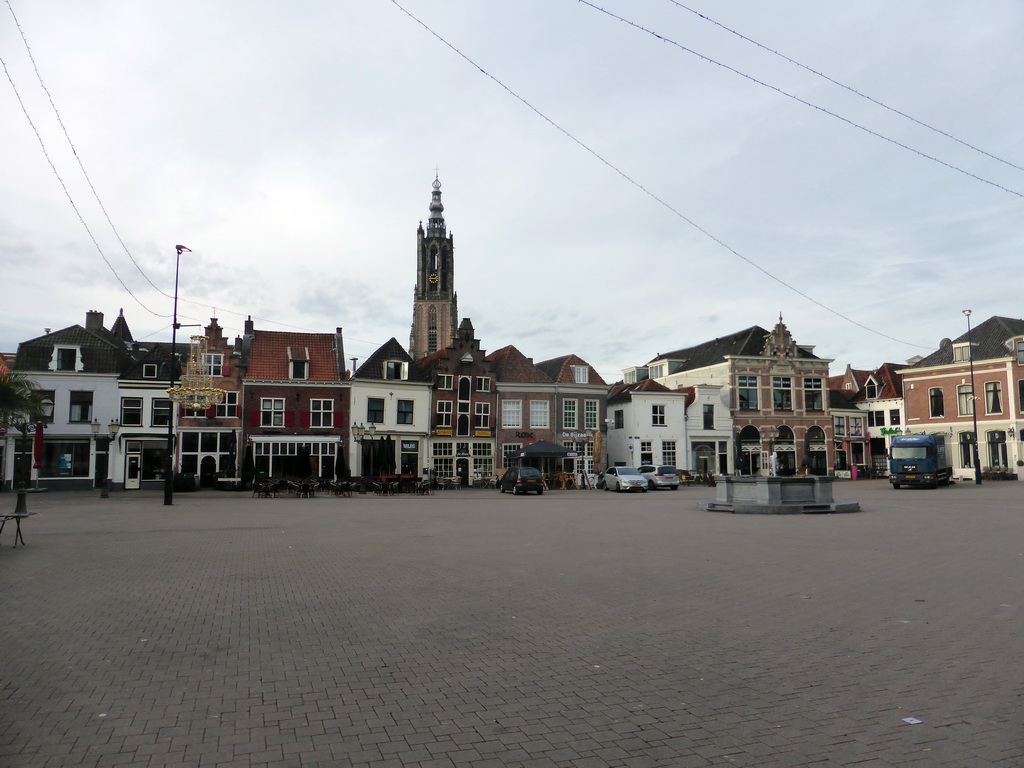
x: 521, y: 480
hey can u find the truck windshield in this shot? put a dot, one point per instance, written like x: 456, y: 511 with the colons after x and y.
x: 905, y: 452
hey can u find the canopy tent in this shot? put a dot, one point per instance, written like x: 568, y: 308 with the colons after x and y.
x: 543, y: 450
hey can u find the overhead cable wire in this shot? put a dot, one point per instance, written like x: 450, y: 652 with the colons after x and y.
x: 67, y: 193
x: 796, y: 98
x: 92, y: 188
x: 852, y: 90
x: 641, y: 187
x: 74, y: 151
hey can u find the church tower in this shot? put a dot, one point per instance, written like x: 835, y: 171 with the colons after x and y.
x: 435, y: 304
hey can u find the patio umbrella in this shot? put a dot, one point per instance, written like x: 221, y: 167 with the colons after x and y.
x: 302, y: 467
x: 340, y: 467
x: 388, y: 464
x: 248, y: 467
x: 37, y: 448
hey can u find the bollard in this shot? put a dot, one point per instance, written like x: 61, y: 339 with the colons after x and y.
x: 22, y: 507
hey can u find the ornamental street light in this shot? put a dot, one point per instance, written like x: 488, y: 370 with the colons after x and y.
x: 974, y: 402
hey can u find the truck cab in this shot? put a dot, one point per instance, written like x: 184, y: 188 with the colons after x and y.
x: 919, y: 460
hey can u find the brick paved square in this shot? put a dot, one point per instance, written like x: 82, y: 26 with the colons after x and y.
x: 470, y: 629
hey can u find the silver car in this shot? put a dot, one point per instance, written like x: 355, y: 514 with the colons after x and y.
x: 624, y: 479
x: 662, y: 476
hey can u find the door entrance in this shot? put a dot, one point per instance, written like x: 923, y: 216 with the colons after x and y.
x: 132, y: 471
x: 462, y: 470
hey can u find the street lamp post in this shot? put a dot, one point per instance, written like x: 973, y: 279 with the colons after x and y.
x: 974, y: 402
x: 112, y: 428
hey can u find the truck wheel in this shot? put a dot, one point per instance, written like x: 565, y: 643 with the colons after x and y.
x: 895, y: 486
x: 540, y: 492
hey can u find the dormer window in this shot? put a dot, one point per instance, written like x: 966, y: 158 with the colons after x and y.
x: 396, y: 370
x: 66, y: 359
x: 871, y: 389
x: 657, y: 371
x: 298, y: 363
x: 149, y: 370
x: 961, y: 353
x: 580, y: 374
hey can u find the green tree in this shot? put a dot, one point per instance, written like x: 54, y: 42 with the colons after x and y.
x: 20, y: 400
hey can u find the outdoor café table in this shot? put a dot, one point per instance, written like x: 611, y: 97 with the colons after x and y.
x: 16, y: 517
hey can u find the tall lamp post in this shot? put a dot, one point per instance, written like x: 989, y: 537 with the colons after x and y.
x: 364, y: 435
x: 169, y: 470
x: 974, y: 402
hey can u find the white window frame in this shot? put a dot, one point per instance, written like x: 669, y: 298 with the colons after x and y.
x: 483, y: 383
x: 272, y: 411
x: 580, y: 374
x: 512, y: 414
x: 213, y: 364
x: 570, y: 413
x: 658, y: 415
x: 591, y: 413
x: 540, y: 414
x: 482, y: 416
x: 321, y: 410
x: 444, y: 414
x: 445, y: 381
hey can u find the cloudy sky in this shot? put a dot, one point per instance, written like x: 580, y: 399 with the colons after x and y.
x: 616, y: 188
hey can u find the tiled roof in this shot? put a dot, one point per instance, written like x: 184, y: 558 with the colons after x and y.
x: 513, y: 366
x: 747, y: 343
x: 624, y: 392
x: 102, y: 351
x: 269, y: 356
x: 989, y: 340
x: 373, y: 368
x: 560, y: 369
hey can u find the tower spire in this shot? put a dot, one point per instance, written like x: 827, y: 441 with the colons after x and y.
x: 435, y: 224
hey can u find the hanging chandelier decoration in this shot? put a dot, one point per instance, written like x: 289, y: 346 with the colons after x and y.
x: 196, y: 391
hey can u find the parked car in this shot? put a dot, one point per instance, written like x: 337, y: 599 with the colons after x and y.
x: 624, y: 479
x: 662, y: 476
x: 521, y: 480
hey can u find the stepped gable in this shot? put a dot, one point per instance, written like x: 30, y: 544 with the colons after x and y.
x: 373, y: 368
x: 560, y: 369
x: 513, y: 366
x: 269, y: 357
x: 989, y: 340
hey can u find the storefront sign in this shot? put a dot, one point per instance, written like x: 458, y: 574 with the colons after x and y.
x: 891, y: 431
x: 575, y: 436
x: 525, y: 435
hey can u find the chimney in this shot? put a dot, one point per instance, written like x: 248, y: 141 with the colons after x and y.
x: 93, y: 320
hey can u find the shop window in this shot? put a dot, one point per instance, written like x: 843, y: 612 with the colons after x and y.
x: 65, y: 458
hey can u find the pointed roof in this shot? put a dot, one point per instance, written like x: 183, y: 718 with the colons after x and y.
x: 512, y: 366
x: 989, y: 339
x: 390, y: 350
x: 120, y: 328
x: 560, y: 369
x: 435, y: 223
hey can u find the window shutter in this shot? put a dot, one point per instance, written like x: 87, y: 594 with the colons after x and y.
x: 254, y: 418
x: 211, y: 412
x: 305, y: 418
x: 225, y: 370
x: 289, y: 418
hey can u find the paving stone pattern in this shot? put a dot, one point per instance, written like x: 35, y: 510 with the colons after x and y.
x: 578, y: 629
